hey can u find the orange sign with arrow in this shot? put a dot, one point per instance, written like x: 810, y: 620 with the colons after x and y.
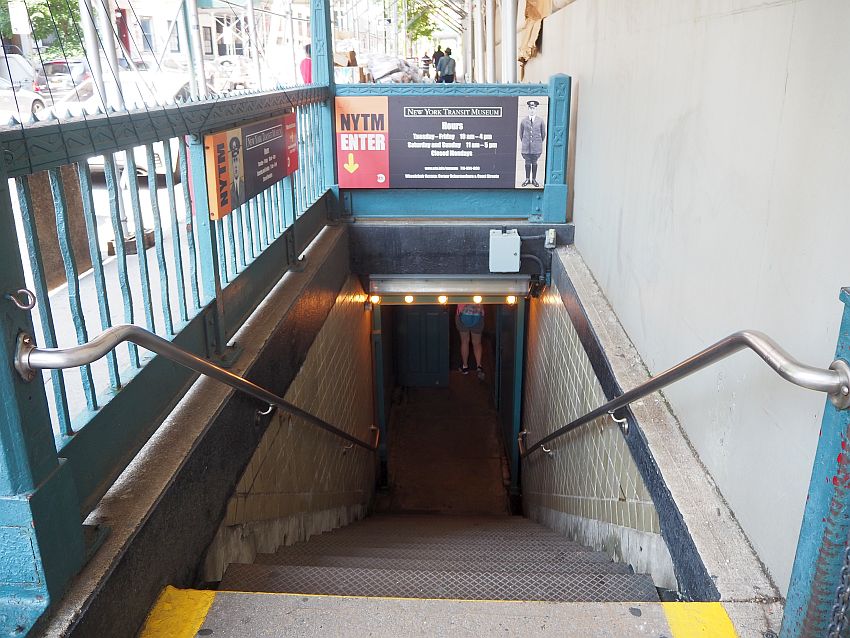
x: 362, y: 142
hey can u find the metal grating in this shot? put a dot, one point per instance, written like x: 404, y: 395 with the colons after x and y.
x: 484, y: 553
x: 586, y: 562
x: 467, y: 558
x: 459, y: 543
x: 444, y: 584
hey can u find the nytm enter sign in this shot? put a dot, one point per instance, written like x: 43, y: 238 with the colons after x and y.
x: 362, y: 131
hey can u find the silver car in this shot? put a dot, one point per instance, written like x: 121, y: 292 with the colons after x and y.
x: 18, y: 102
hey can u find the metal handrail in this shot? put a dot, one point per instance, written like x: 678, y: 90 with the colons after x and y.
x: 29, y: 359
x: 835, y: 381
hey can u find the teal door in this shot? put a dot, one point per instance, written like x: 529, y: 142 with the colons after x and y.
x: 422, y: 337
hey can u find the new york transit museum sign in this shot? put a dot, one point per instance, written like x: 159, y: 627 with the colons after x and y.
x: 243, y: 162
x: 441, y: 142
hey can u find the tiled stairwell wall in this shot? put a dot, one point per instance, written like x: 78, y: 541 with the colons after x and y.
x: 589, y: 488
x: 302, y: 480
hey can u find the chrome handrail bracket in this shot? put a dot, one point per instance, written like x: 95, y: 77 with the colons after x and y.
x: 623, y: 423
x: 841, y: 399
x: 22, y: 352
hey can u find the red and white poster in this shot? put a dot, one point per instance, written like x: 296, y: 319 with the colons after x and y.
x: 362, y: 142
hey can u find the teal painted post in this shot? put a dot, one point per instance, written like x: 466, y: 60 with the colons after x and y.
x: 323, y: 73
x: 205, y: 231
x: 554, y: 205
x: 826, y: 521
x: 519, y: 362
x: 40, y: 527
x: 378, y: 380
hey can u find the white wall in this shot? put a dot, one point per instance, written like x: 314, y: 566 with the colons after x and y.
x: 712, y: 187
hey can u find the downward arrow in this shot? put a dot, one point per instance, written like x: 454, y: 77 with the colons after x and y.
x: 351, y: 166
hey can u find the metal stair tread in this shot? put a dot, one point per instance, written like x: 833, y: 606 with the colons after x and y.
x: 448, y: 520
x: 457, y: 542
x: 358, y: 530
x: 586, y: 562
x: 438, y: 584
x: 444, y: 552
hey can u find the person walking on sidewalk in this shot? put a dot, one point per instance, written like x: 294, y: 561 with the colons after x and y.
x: 306, y: 66
x: 446, y: 68
x: 437, y: 55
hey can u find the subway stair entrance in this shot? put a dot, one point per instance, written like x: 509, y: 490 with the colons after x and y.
x: 443, y: 530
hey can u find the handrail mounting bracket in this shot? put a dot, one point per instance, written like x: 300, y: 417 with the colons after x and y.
x: 841, y: 399
x: 22, y: 352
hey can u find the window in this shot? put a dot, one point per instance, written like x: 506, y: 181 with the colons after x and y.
x: 147, y: 33
x: 208, y: 41
x: 174, y: 37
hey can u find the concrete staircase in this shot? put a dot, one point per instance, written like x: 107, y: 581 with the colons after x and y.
x: 443, y: 557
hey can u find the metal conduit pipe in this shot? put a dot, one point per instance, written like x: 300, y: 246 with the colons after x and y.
x: 835, y: 381
x: 539, y: 263
x: 29, y: 359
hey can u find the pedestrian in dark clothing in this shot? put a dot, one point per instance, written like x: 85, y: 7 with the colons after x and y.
x: 446, y: 68
x: 437, y: 55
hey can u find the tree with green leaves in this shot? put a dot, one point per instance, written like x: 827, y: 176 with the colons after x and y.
x: 419, y: 24
x: 56, y: 23
x: 5, y: 21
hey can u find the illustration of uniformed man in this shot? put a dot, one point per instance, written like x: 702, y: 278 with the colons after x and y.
x: 532, y: 135
x: 237, y: 184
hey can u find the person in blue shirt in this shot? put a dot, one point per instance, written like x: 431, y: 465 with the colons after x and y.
x: 446, y: 68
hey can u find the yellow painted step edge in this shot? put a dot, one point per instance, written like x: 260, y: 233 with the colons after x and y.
x: 178, y: 613
x: 698, y: 619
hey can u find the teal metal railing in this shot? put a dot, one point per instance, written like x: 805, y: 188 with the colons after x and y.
x: 190, y: 280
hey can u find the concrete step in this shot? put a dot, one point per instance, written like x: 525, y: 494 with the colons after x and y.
x: 585, y: 562
x: 451, y: 585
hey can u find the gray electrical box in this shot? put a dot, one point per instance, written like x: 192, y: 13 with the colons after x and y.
x: 504, y: 251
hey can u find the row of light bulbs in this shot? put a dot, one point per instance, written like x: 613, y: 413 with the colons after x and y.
x: 442, y: 299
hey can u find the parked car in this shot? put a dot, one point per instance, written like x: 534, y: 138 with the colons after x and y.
x: 18, y: 102
x: 17, y: 69
x: 57, y: 78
